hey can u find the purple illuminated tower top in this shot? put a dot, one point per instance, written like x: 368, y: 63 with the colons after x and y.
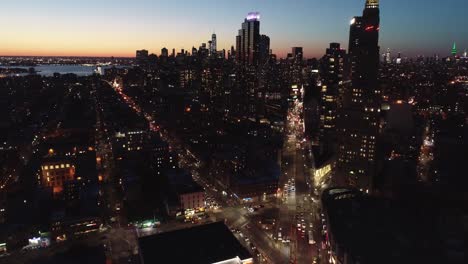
x: 253, y: 16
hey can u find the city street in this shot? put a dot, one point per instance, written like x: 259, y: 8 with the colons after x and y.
x: 297, y: 211
x: 297, y: 214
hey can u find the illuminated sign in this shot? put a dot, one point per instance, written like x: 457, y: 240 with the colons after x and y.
x: 353, y: 21
x: 253, y: 16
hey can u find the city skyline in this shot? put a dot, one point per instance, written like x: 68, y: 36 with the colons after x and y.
x: 99, y: 29
x: 233, y: 145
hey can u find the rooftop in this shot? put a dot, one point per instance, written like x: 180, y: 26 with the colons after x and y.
x: 379, y: 230
x: 203, y: 244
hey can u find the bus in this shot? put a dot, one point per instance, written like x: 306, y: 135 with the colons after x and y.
x: 311, y: 238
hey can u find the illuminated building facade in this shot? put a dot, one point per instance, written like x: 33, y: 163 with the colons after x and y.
x: 75, y: 228
x: 56, y: 173
x: 248, y: 40
x: 193, y: 199
x: 359, y: 120
x: 131, y: 140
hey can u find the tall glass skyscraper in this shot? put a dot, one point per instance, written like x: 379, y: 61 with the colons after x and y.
x: 248, y: 40
x: 360, y: 116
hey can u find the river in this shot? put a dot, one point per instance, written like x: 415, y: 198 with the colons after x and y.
x: 49, y: 69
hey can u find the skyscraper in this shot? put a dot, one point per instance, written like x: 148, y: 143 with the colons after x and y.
x: 359, y: 118
x: 264, y: 48
x: 164, y: 52
x: 388, y: 56
x: 398, y: 60
x: 332, y: 78
x: 213, y: 46
x: 297, y: 53
x: 210, y: 51
x: 454, y: 49
x: 248, y: 40
x: 141, y: 57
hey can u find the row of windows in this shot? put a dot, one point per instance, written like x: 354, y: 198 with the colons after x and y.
x: 52, y: 167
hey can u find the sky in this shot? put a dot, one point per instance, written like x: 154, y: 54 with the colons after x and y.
x: 119, y: 27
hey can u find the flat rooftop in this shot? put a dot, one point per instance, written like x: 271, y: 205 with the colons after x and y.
x: 203, y: 244
x: 378, y: 230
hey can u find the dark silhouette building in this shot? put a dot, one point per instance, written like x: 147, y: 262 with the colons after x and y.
x: 298, y: 54
x: 141, y: 57
x: 359, y: 122
x: 264, y: 48
x: 332, y: 81
x: 164, y: 52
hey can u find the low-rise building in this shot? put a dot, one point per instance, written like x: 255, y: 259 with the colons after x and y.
x: 186, y: 197
x: 210, y: 243
x: 256, y: 184
x: 56, y: 172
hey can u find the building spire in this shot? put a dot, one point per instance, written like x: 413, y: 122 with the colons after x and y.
x: 372, y: 3
x: 454, y: 49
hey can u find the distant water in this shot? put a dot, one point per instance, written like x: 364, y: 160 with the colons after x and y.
x: 49, y: 69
